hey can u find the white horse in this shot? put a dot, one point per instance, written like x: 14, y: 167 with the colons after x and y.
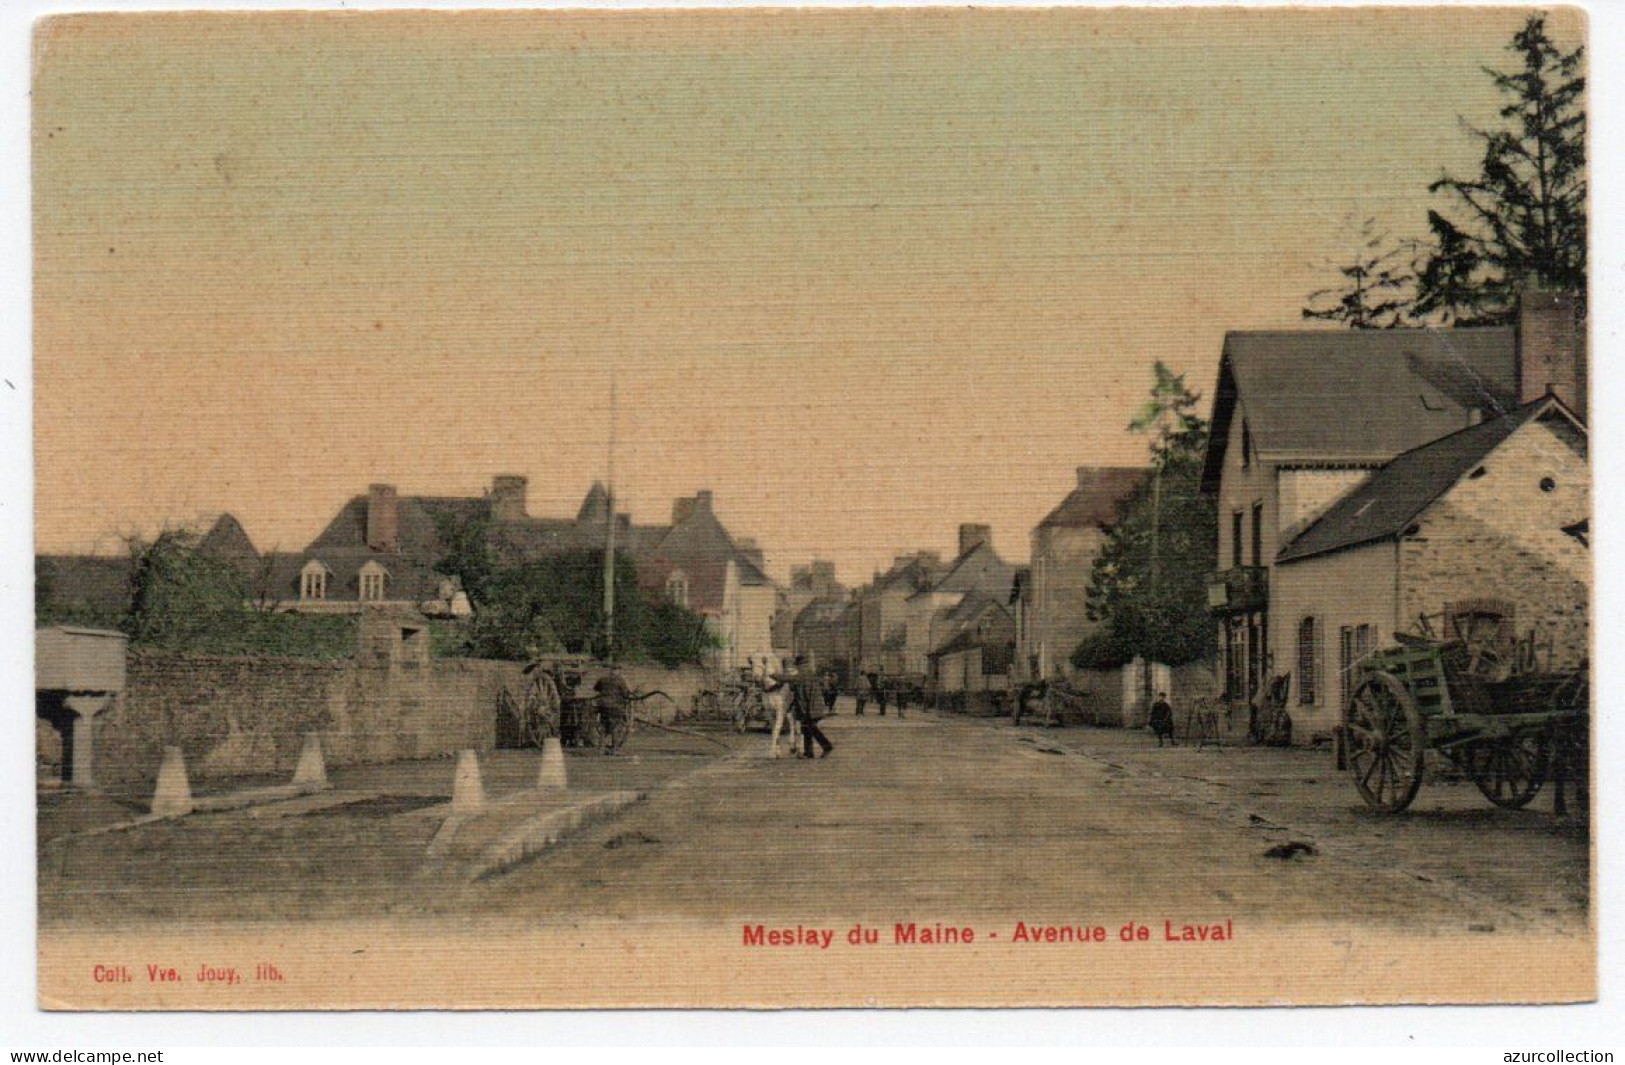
x: 777, y: 701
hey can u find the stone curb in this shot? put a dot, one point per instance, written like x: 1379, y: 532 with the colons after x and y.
x: 538, y: 834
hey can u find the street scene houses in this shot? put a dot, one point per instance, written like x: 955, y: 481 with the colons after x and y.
x: 1318, y: 438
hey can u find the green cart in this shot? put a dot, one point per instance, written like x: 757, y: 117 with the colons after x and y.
x: 1475, y: 699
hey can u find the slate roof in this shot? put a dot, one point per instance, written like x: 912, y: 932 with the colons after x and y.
x: 912, y: 576
x: 1094, y: 504
x: 824, y: 612
x: 964, y: 622
x: 1356, y: 397
x: 1386, y: 503
x: 977, y: 570
x: 227, y: 539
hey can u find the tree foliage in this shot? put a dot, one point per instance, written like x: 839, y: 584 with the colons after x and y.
x: 1148, y: 587
x: 1521, y: 218
x: 178, y: 593
x: 1374, y: 290
x: 555, y: 604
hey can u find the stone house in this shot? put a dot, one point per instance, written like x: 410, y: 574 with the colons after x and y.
x: 381, y: 549
x: 976, y: 649
x: 808, y: 584
x: 976, y: 569
x: 823, y: 632
x: 881, y: 623
x: 1052, y: 590
x: 1302, y: 417
x: 1494, y: 514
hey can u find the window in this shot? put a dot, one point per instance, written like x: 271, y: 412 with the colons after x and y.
x: 1345, y: 662
x: 373, y: 581
x: 313, y: 580
x: 1246, y: 445
x: 677, y: 588
x: 1547, y: 484
x: 1235, y: 539
x: 1308, y: 657
x: 1258, y: 534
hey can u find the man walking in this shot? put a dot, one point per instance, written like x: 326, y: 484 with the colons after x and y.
x: 806, y: 708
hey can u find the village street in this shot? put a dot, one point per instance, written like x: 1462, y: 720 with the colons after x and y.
x: 931, y: 819
x: 947, y: 819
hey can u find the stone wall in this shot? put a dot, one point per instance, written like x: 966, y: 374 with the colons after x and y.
x: 1499, y: 535
x: 248, y: 715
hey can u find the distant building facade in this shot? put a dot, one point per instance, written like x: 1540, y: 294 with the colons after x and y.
x: 1051, y: 597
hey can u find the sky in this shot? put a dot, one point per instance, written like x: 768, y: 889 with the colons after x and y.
x: 866, y: 275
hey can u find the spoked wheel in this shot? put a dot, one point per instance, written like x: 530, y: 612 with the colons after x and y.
x: 1509, y: 772
x: 1385, y: 743
x: 539, y: 713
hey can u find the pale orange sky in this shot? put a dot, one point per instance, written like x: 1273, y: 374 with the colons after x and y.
x: 866, y: 275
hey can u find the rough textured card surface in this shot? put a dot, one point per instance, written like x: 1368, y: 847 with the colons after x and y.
x: 789, y: 507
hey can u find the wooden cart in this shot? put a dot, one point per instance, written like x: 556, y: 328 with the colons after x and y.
x: 559, y: 697
x: 1475, y: 698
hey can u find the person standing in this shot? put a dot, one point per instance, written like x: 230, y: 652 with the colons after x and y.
x: 806, y: 705
x: 1162, y: 720
x: 877, y: 692
x: 832, y: 692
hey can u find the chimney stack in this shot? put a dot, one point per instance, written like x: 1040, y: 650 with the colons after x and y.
x: 383, y: 517
x: 702, y: 499
x: 1551, y: 349
x: 508, y: 497
x: 973, y: 536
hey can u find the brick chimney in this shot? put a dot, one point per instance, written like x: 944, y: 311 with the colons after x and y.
x: 751, y: 550
x: 1551, y: 349
x: 383, y: 517
x: 508, y: 497
x: 685, y: 508
x: 973, y: 536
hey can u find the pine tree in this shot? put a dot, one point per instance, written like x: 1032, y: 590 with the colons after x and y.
x: 1523, y: 217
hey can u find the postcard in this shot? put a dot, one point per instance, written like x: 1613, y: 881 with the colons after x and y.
x: 793, y: 507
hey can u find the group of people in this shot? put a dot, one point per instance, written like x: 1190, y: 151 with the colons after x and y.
x: 872, y: 689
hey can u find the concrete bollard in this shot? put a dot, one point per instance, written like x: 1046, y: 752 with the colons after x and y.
x: 553, y: 775
x: 174, y: 795
x: 312, y: 769
x: 467, y: 789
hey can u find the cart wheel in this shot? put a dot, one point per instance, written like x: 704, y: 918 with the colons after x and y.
x: 539, y: 717
x: 1386, y: 743
x: 1509, y: 772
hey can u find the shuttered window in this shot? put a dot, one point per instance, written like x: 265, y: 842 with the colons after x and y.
x: 1308, y: 658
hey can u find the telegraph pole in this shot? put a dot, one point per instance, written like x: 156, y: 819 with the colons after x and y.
x: 609, y: 534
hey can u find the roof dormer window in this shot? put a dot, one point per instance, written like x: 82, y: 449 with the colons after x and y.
x: 313, y: 580
x: 374, y: 582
